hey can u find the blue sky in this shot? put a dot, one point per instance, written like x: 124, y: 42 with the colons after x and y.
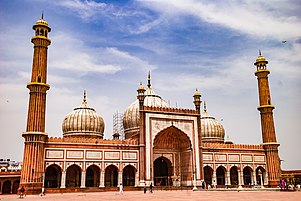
x: 107, y: 48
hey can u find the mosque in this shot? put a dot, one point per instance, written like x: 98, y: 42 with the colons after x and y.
x: 163, y: 145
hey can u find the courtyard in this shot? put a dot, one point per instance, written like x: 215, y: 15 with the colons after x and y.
x: 164, y: 195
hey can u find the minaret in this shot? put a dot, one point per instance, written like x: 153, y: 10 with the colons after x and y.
x: 142, y: 167
x: 35, y: 136
x: 197, y: 102
x: 266, y: 108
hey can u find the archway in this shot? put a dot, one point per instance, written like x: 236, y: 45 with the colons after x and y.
x: 162, y: 171
x: 234, y: 175
x: 53, y: 176
x: 128, y: 176
x: 247, y: 174
x: 111, y: 176
x: 175, y: 143
x: 208, y: 174
x: 92, y: 176
x: 220, y: 175
x: 73, y: 176
x: 16, y: 186
x: 6, y: 188
x: 260, y: 175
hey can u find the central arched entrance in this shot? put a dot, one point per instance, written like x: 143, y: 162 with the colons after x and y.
x: 162, y: 171
x: 173, y: 164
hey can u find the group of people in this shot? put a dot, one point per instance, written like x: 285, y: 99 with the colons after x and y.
x: 150, y: 188
x: 283, y: 185
x: 144, y: 189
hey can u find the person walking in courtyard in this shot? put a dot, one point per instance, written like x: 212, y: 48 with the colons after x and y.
x: 151, y: 187
x: 144, y: 188
x: 22, y: 192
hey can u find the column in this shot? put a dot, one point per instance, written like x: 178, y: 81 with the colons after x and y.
x: 228, y: 181
x: 63, y: 180
x: 214, y: 179
x: 239, y: 178
x: 136, y: 179
x: 102, y: 179
x: 119, y: 178
x: 83, y: 180
x: 254, y: 178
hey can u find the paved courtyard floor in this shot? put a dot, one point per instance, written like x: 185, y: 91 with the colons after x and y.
x: 164, y: 196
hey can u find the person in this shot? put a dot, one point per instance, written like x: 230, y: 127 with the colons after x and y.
x: 120, y: 189
x: 151, y: 187
x: 22, y: 192
x: 43, y: 191
x: 144, y: 189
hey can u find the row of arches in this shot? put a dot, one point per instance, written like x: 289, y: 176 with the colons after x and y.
x: 53, y: 176
x: 9, y: 186
x: 234, y: 177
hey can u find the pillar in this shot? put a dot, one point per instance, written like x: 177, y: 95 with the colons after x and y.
x: 102, y: 179
x: 119, y: 178
x: 254, y: 178
x: 83, y: 180
x: 240, y: 178
x: 63, y: 180
x: 228, y: 181
x: 214, y: 179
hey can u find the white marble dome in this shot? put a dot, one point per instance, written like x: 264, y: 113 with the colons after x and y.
x: 83, y: 121
x: 131, y: 115
x: 212, y: 130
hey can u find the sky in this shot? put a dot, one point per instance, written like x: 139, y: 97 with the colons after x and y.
x: 108, y: 47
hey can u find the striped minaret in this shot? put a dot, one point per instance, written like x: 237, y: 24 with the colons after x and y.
x: 35, y: 135
x: 266, y: 108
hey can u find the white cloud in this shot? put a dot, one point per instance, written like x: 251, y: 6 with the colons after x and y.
x: 71, y: 54
x: 86, y: 9
x: 258, y: 18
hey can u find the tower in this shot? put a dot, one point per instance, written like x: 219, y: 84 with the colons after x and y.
x: 35, y: 135
x: 266, y: 108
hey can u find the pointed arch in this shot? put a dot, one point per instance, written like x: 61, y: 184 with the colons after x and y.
x: 260, y: 175
x: 92, y: 176
x: 172, y: 138
x: 53, y: 176
x: 247, y: 175
x: 208, y: 173
x: 6, y: 188
x: 162, y: 171
x: 128, y: 175
x: 73, y: 176
x: 15, y: 186
x: 234, y: 175
x: 220, y: 175
x: 111, y: 176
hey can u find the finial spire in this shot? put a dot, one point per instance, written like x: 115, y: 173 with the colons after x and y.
x: 259, y: 52
x: 149, y: 80
x: 85, y: 98
x: 42, y: 15
x: 205, y: 107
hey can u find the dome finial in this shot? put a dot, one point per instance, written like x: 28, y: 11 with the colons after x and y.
x: 42, y: 15
x: 205, y: 107
x: 85, y: 98
x: 259, y: 52
x: 149, y: 80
